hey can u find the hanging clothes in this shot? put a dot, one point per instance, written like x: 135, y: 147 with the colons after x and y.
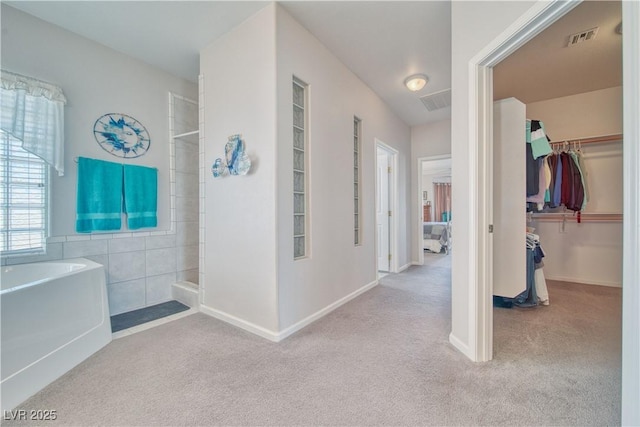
x: 557, y: 183
x: 536, y: 287
x: 537, y: 137
x: 551, y: 164
x: 565, y: 180
x: 583, y: 171
x: 533, y: 180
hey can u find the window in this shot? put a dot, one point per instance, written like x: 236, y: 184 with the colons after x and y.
x: 300, y: 199
x: 357, y: 191
x: 23, y: 199
x: 31, y: 140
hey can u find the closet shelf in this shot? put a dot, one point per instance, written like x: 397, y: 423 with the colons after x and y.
x: 573, y: 217
x: 592, y: 140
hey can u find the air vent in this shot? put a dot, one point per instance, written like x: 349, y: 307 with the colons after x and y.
x: 437, y: 100
x: 584, y: 36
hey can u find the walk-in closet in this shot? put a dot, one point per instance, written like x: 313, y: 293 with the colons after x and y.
x: 559, y: 103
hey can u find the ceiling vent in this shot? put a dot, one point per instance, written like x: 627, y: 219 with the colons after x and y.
x: 584, y: 36
x: 437, y: 100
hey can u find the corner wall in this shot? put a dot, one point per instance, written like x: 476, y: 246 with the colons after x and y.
x: 336, y: 268
x: 473, y: 26
x: 238, y: 96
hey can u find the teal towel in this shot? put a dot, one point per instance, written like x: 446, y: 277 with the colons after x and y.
x: 140, y: 196
x: 99, y: 196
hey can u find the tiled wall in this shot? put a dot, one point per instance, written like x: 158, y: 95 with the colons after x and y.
x: 187, y: 208
x: 141, y: 266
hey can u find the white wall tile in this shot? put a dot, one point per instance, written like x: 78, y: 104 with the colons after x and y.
x: 126, y: 296
x: 102, y: 260
x: 56, y: 239
x: 131, y: 244
x: 76, y: 249
x: 126, y: 266
x: 187, y: 209
x: 187, y: 158
x: 187, y: 184
x: 188, y: 258
x: 187, y: 233
x: 78, y: 237
x: 159, y: 242
x: 101, y: 236
x: 54, y: 253
x: 124, y: 235
x: 188, y: 276
x: 159, y: 288
x: 161, y: 261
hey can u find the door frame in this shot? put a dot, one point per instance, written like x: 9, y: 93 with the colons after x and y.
x: 536, y: 19
x: 393, y: 204
x: 419, y: 211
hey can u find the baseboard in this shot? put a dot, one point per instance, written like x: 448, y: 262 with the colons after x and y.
x: 458, y: 344
x: 240, y: 323
x: 404, y: 267
x: 279, y: 336
x: 583, y: 281
x: 323, y: 312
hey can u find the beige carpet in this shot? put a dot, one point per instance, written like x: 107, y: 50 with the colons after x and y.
x: 382, y: 359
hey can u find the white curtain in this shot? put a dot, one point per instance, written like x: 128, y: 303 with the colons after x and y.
x: 33, y: 113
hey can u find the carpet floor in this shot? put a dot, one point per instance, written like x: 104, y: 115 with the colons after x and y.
x: 381, y: 359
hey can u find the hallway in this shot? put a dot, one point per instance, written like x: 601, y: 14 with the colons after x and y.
x: 381, y: 359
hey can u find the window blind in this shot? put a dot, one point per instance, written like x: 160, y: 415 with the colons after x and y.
x: 23, y: 198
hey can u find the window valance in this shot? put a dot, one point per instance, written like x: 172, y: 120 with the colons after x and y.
x: 32, y: 112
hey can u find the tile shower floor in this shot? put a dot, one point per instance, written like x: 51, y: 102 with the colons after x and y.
x: 145, y: 318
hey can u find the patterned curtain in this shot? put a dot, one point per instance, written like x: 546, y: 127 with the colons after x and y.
x: 442, y: 201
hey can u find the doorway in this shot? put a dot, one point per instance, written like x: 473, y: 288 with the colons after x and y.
x: 537, y: 18
x: 434, y: 204
x: 386, y: 226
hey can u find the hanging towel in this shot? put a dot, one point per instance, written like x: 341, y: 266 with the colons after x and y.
x: 140, y: 196
x: 99, y: 196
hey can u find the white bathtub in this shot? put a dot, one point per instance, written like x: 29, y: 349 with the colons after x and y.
x: 54, y: 315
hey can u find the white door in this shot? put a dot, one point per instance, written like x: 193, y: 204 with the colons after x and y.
x: 382, y: 210
x: 509, y: 192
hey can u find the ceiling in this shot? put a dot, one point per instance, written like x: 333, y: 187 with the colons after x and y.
x: 546, y: 68
x: 382, y: 42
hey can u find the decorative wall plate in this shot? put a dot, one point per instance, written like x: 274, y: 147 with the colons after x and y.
x: 121, y: 135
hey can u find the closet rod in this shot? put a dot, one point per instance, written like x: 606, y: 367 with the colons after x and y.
x: 592, y: 140
x: 584, y: 217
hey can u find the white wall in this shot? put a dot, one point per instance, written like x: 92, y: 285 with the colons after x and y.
x: 96, y: 80
x: 335, y: 267
x: 587, y: 252
x: 239, y: 82
x: 431, y: 139
x: 580, y: 116
x: 473, y: 26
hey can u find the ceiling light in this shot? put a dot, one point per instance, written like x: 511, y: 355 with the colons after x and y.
x: 416, y: 82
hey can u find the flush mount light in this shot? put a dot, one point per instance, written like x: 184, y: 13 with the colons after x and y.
x: 416, y: 82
